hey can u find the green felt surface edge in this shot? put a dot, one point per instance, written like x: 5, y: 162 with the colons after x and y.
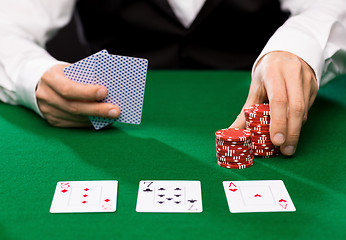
x: 175, y: 141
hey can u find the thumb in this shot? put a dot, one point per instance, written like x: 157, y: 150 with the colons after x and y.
x: 239, y: 121
x: 257, y: 94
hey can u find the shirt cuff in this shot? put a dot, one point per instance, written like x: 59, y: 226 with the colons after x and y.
x: 29, y: 76
x: 295, y: 40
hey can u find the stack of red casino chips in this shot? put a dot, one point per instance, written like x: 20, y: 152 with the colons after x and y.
x: 233, y: 148
x: 257, y: 122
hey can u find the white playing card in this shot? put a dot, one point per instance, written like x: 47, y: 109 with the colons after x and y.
x: 257, y: 196
x: 169, y: 196
x: 85, y: 196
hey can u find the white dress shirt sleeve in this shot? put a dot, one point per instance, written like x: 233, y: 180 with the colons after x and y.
x: 25, y: 27
x: 316, y: 32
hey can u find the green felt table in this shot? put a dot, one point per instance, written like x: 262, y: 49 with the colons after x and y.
x: 175, y: 141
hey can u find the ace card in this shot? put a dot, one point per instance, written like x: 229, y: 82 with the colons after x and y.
x: 257, y: 196
x: 85, y: 196
x: 169, y: 196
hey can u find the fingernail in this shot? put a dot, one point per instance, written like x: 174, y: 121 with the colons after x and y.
x: 279, y: 139
x: 113, y: 113
x: 101, y: 93
x: 289, y: 150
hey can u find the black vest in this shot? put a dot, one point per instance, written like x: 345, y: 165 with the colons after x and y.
x: 227, y: 34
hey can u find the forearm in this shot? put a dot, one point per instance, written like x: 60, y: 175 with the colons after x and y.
x: 314, y: 32
x: 23, y: 69
x: 25, y: 27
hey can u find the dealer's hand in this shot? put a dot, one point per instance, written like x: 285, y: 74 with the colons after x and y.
x: 65, y: 103
x: 289, y: 85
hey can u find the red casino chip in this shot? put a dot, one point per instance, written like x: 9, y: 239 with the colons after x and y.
x: 261, y: 109
x: 226, y: 161
x: 236, y: 161
x: 230, y: 144
x: 233, y: 143
x: 258, y: 119
x: 234, y: 166
x: 267, y: 154
x: 257, y: 124
x: 259, y: 145
x: 260, y: 137
x: 266, y: 151
x: 254, y: 115
x: 233, y: 148
x: 262, y: 142
x: 247, y: 110
x: 237, y: 158
x: 236, y: 148
x: 239, y: 146
x: 230, y: 154
x: 257, y: 129
x: 233, y: 134
x: 257, y: 111
x: 271, y: 150
x: 233, y: 152
x: 254, y: 133
x: 263, y: 146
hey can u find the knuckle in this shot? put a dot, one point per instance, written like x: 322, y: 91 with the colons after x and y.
x: 73, y: 108
x: 305, y: 118
x: 53, y: 122
x: 279, y: 100
x: 271, y: 71
x: 99, y: 112
x: 278, y: 123
x: 295, y: 63
x: 292, y: 138
x: 65, y: 91
x: 314, y: 87
x: 299, y: 107
x: 44, y: 109
x: 309, y: 76
x: 41, y: 92
x: 40, y: 95
x: 272, y: 67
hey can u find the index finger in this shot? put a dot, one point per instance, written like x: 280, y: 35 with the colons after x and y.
x: 277, y: 96
x: 68, y: 89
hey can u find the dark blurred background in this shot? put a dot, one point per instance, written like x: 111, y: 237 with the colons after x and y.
x: 66, y: 46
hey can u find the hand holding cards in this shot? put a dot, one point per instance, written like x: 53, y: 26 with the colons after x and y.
x: 124, y: 78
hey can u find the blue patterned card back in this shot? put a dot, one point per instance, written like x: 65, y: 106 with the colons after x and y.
x: 124, y: 77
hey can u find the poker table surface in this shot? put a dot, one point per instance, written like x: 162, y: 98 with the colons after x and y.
x: 175, y: 141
